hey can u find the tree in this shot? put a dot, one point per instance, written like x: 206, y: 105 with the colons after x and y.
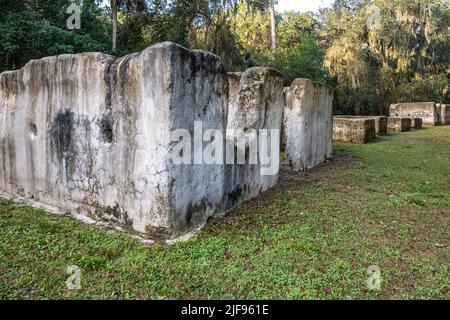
x: 116, y: 5
x: 251, y: 28
x: 273, y: 26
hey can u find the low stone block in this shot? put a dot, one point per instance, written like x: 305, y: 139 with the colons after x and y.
x: 354, y: 130
x: 427, y: 111
x: 397, y: 124
x: 308, y: 124
x: 256, y: 103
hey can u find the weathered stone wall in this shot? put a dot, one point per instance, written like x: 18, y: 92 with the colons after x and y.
x: 427, y: 111
x: 255, y: 102
x: 354, y: 130
x: 91, y: 133
x: 308, y: 124
x: 416, y: 123
x: 381, y: 123
x: 397, y: 124
x: 445, y: 114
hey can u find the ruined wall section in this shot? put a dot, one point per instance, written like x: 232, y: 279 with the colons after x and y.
x: 416, y: 124
x: 354, y: 130
x: 308, y: 123
x: 91, y: 133
x: 53, y: 133
x: 428, y: 111
x: 255, y: 102
x: 199, y: 93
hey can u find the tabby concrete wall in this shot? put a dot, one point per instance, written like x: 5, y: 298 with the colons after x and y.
x: 308, y: 124
x: 416, y: 124
x: 428, y: 111
x: 91, y: 133
x: 256, y: 102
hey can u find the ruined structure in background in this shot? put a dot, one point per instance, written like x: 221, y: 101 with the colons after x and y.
x: 308, y: 124
x: 91, y: 133
x: 444, y: 114
x: 255, y: 102
x: 354, y: 130
x: 381, y: 123
x: 397, y: 124
x: 416, y: 123
x: 427, y: 111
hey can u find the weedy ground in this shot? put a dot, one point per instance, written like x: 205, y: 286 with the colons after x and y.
x: 313, y: 237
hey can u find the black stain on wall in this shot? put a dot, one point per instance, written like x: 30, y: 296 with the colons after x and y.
x: 106, y: 131
x: 62, y: 131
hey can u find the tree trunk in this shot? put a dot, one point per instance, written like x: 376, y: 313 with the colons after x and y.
x: 11, y: 61
x: 273, y: 26
x: 114, y: 10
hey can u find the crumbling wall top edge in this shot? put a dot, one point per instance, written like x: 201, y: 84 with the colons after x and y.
x: 106, y: 57
x: 305, y: 81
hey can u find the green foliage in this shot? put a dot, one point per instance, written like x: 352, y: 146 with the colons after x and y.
x: 305, y: 60
x: 429, y: 89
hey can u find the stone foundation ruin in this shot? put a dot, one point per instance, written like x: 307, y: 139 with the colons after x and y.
x: 354, y: 130
x: 95, y: 134
x: 92, y: 133
x: 427, y: 111
x: 416, y: 123
x: 308, y: 124
x: 397, y: 124
x: 444, y: 112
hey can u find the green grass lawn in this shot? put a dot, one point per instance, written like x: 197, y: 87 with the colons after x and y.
x: 312, y: 237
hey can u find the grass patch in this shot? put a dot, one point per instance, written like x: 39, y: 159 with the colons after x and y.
x: 311, y: 237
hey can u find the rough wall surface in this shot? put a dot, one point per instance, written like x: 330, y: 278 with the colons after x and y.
x: 91, y: 133
x: 255, y: 102
x: 381, y: 123
x: 445, y: 114
x: 416, y: 123
x: 427, y: 111
x: 308, y: 124
x: 354, y: 130
x: 397, y: 124
x: 286, y: 90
